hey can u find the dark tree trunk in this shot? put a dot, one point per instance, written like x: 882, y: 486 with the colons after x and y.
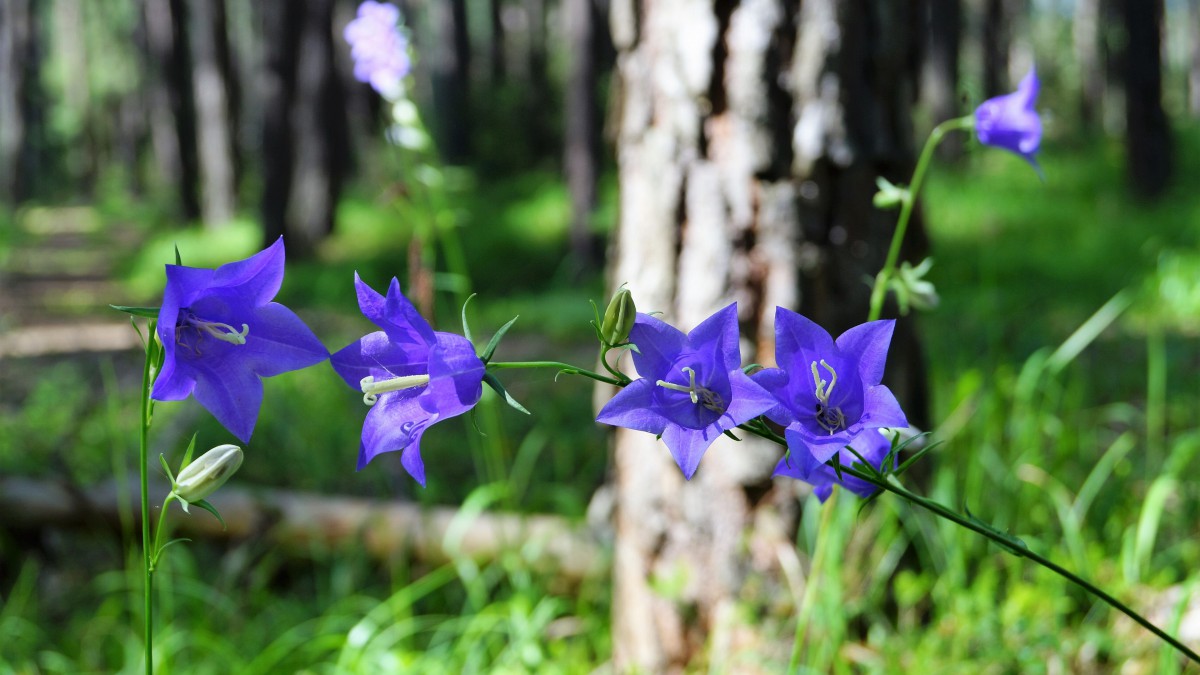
x: 281, y: 26
x: 173, y: 120
x: 538, y: 94
x: 1147, y: 132
x: 450, y: 67
x: 939, y: 77
x: 496, y: 46
x: 16, y: 50
x: 581, y: 141
x: 214, y: 112
x: 747, y: 159
x: 996, y: 39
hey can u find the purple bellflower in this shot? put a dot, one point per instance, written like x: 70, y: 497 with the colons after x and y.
x: 870, y: 445
x: 205, y: 352
x: 379, y: 49
x: 829, y: 392
x: 1010, y: 121
x: 691, y: 389
x: 411, y: 376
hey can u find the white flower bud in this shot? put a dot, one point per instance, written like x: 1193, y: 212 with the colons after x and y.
x: 210, y: 471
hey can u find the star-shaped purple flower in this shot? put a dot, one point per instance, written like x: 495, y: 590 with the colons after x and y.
x: 691, y: 389
x: 379, y: 49
x: 870, y: 445
x: 829, y: 392
x: 1010, y: 121
x: 220, y: 333
x: 412, y: 376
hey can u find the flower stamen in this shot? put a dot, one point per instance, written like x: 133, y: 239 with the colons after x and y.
x: 830, y: 418
x: 699, y: 395
x: 221, y: 331
x: 372, y: 388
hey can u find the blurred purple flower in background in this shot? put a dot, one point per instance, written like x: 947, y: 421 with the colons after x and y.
x: 692, y: 388
x: 872, y: 445
x: 411, y: 376
x: 207, y: 354
x: 1010, y: 121
x: 379, y: 49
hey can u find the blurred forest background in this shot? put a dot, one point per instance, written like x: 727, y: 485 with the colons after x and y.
x: 577, y: 145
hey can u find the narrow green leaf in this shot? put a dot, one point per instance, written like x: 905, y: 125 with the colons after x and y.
x: 147, y: 312
x: 495, y: 341
x: 203, y: 503
x: 178, y: 259
x: 495, y: 384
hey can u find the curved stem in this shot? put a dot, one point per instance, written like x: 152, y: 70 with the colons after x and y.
x: 561, y: 367
x: 143, y: 470
x: 1004, y: 542
x: 158, y: 532
x: 879, y: 291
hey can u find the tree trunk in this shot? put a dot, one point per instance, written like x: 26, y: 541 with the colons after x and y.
x: 581, y: 141
x: 450, y: 67
x: 1086, y: 35
x: 16, y: 38
x: 1194, y: 61
x: 280, y: 30
x: 996, y: 39
x: 1147, y: 132
x: 496, y: 45
x: 214, y: 112
x: 939, y: 77
x: 750, y: 136
x: 172, y: 111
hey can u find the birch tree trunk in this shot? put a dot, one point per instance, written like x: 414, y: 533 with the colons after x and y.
x: 16, y: 34
x: 214, y: 119
x: 750, y: 135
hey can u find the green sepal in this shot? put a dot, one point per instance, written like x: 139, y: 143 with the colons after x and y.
x: 203, y: 503
x: 467, y: 328
x: 912, y: 460
x: 187, y: 455
x: 163, y: 460
x: 495, y: 384
x: 729, y: 433
x: 1008, y: 542
x: 836, y: 463
x: 146, y: 312
x: 752, y: 367
x: 178, y: 259
x: 495, y: 341
x: 178, y: 540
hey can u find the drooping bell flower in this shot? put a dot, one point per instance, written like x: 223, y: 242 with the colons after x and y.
x: 221, y: 332
x: 871, y: 445
x: 692, y: 388
x: 829, y: 392
x: 1011, y: 122
x: 410, y: 375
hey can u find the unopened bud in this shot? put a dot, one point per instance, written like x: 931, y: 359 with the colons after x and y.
x: 210, y: 471
x: 618, y: 318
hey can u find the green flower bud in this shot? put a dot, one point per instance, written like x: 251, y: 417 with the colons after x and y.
x: 618, y: 318
x: 210, y: 471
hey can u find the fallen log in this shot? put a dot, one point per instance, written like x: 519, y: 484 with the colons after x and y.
x: 306, y: 522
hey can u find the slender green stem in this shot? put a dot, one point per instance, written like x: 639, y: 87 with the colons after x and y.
x: 561, y: 367
x: 963, y: 521
x: 879, y: 291
x: 158, y: 532
x: 804, y: 612
x: 942, y: 511
x: 143, y: 470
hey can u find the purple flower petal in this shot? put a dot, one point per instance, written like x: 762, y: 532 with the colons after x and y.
x: 634, y: 408
x: 867, y: 344
x: 1010, y: 121
x: 375, y: 355
x: 396, y: 423
x: 687, y: 446
x: 221, y: 333
x: 455, y: 377
x: 721, y: 331
x: 883, y: 410
x: 657, y: 346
